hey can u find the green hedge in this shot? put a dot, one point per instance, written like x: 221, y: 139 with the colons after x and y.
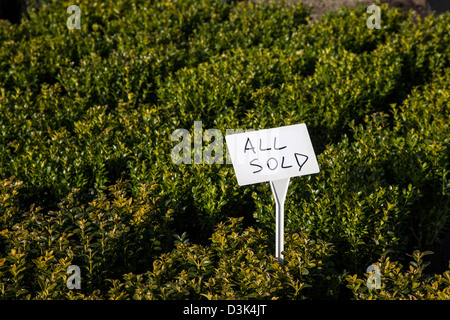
x: 412, y: 284
x: 86, y: 175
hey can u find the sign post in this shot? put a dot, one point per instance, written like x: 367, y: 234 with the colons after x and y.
x: 273, y: 155
x: 279, y: 190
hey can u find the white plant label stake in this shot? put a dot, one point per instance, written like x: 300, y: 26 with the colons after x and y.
x: 273, y: 155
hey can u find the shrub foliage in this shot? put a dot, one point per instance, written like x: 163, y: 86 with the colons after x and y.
x: 86, y: 175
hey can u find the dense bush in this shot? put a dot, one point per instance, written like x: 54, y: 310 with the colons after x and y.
x: 413, y: 284
x: 234, y: 266
x: 86, y: 176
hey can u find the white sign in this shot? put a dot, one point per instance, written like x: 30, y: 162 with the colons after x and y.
x: 272, y: 154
